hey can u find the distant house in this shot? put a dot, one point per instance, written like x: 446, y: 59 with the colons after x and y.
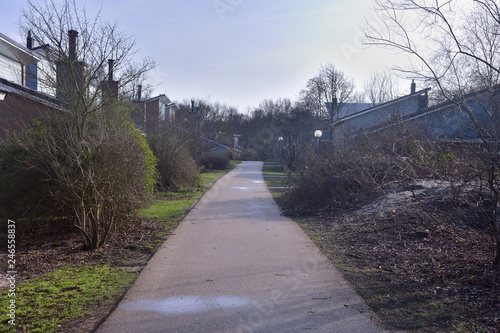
x: 473, y: 117
x: 355, y: 120
x: 452, y: 121
x: 32, y: 85
x: 149, y: 114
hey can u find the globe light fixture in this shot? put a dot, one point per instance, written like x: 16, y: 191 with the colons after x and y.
x: 280, y: 139
x: 318, y: 135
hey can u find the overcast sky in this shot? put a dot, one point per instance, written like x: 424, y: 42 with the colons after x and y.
x: 238, y: 52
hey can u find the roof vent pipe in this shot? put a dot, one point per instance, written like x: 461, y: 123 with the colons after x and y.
x: 139, y: 92
x: 72, y: 34
x: 111, y: 63
x: 29, y: 41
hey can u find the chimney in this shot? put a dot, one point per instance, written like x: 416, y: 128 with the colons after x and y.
x: 72, y: 34
x: 413, y: 87
x: 139, y: 92
x: 192, y: 106
x: 29, y: 41
x: 111, y: 62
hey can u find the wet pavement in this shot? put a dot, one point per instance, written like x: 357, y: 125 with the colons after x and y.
x: 235, y: 264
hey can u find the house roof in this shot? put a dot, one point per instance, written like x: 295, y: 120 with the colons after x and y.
x: 162, y: 98
x: 14, y: 88
x: 16, y: 51
x: 440, y: 107
x: 451, y: 103
x: 383, y: 105
x: 347, y: 109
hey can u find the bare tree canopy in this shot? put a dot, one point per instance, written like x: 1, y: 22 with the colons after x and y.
x: 98, y: 41
x: 455, y: 46
x: 381, y: 87
x: 452, y: 44
x: 331, y: 85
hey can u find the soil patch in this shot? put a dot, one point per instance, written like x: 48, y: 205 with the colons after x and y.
x: 420, y: 256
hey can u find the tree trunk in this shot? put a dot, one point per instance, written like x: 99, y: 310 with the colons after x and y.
x: 496, y: 261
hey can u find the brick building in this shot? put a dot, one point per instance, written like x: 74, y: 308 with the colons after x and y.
x: 20, y: 102
x: 150, y: 113
x: 19, y: 106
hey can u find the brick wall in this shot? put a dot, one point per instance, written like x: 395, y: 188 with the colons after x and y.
x: 17, y: 112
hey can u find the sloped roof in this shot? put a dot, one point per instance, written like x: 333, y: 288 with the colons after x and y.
x: 442, y: 107
x: 13, y: 50
x: 13, y: 88
x: 463, y: 99
x: 347, y: 109
x: 383, y: 105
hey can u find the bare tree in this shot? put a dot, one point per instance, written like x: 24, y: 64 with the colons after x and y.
x: 455, y: 46
x: 381, y: 87
x: 329, y: 86
x: 97, y: 42
x: 93, y: 166
x: 312, y: 98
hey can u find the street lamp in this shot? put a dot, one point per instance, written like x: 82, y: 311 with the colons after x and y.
x: 318, y: 134
x: 280, y: 139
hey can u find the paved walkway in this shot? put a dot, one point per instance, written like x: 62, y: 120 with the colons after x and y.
x: 236, y: 265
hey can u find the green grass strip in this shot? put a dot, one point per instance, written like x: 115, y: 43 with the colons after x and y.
x: 43, y: 304
x: 171, y: 205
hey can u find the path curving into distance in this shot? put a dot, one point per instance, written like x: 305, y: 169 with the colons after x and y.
x: 236, y: 265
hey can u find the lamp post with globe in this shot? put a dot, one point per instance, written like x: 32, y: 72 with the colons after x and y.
x: 318, y: 135
x: 280, y: 139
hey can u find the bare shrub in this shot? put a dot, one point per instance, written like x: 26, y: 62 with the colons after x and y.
x: 249, y: 155
x: 97, y: 178
x: 343, y: 176
x: 461, y: 61
x: 333, y: 179
x: 176, y: 166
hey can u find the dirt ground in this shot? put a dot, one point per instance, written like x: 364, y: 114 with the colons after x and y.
x: 419, y: 255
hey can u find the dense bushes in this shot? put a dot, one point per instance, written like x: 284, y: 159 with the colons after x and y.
x: 176, y: 166
x: 95, y: 169
x: 214, y: 160
x: 340, y: 177
x: 335, y: 179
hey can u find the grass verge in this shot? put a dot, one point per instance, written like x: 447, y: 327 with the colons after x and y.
x: 276, y: 180
x: 45, y: 304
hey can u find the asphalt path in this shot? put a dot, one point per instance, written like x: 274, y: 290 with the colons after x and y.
x: 235, y: 264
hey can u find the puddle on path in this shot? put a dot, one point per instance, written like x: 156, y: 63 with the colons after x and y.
x: 186, y: 304
x: 241, y: 188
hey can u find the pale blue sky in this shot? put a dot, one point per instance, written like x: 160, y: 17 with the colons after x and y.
x: 238, y: 52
